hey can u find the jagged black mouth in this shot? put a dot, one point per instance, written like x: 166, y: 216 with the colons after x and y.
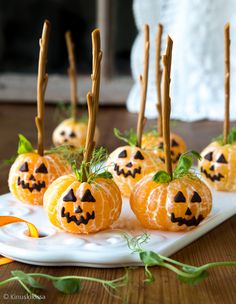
x: 213, y: 178
x: 183, y: 221
x: 35, y: 186
x: 77, y: 221
x: 128, y: 173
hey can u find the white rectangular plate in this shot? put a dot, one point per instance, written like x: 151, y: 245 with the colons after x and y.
x: 104, y: 249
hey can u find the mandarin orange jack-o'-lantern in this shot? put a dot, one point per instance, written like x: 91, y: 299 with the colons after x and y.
x: 82, y: 207
x: 128, y: 164
x: 72, y: 132
x: 31, y: 174
x: 151, y: 141
x: 177, y: 205
x: 87, y: 201
x: 170, y: 200
x: 219, y: 158
x: 218, y: 165
x: 33, y: 171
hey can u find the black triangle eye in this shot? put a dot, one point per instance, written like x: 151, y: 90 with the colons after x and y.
x: 70, y: 197
x: 179, y: 198
x: 208, y: 156
x: 138, y: 155
x: 196, y: 198
x: 174, y: 143
x: 72, y: 134
x: 41, y: 169
x: 122, y: 154
x: 24, y: 167
x: 87, y: 197
x: 221, y: 159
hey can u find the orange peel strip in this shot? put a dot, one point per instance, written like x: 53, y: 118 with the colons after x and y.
x: 5, y: 220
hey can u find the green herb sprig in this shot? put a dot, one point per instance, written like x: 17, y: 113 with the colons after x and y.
x: 96, y: 166
x: 65, y: 284
x: 129, y: 136
x: 183, y: 168
x: 185, y: 273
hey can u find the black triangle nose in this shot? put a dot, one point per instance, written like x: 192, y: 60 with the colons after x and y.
x: 32, y: 177
x: 129, y: 165
x: 188, y: 212
x: 212, y: 168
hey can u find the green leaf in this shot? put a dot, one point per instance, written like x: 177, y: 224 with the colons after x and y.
x: 232, y: 136
x: 67, y: 286
x: 161, y: 177
x: 195, y: 280
x: 129, y: 136
x: 27, y: 279
x: 185, y: 163
x: 76, y: 171
x: 105, y: 174
x: 24, y: 145
x: 150, y: 258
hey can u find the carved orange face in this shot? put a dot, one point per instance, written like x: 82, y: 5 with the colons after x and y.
x: 178, y: 205
x: 156, y: 144
x: 218, y: 165
x: 128, y: 164
x: 72, y: 133
x: 82, y: 207
x: 31, y: 174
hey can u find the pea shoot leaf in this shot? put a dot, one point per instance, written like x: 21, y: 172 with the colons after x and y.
x: 105, y: 174
x: 27, y: 279
x: 24, y: 145
x: 161, y: 177
x: 129, y: 136
x: 67, y: 286
x: 150, y: 258
x: 185, y: 163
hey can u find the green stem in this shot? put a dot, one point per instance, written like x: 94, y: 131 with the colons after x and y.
x: 50, y: 277
x: 8, y: 280
x: 216, y: 264
x: 180, y: 272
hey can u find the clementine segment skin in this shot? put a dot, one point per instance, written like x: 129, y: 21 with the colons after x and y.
x: 82, y: 208
x: 218, y: 166
x: 31, y: 174
x: 179, y: 205
x: 155, y: 143
x: 72, y: 133
x: 129, y: 164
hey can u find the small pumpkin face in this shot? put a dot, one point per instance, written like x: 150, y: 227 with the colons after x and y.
x: 177, y: 146
x: 218, y: 166
x: 71, y: 133
x: 31, y: 174
x: 82, y: 207
x: 129, y: 164
x: 179, y: 205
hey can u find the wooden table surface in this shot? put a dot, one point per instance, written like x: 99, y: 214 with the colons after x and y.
x: 217, y: 245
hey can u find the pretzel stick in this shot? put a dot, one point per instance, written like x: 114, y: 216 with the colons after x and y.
x: 41, y: 85
x: 166, y: 107
x: 144, y: 84
x: 72, y: 74
x: 158, y: 78
x: 227, y: 81
x: 93, y: 101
